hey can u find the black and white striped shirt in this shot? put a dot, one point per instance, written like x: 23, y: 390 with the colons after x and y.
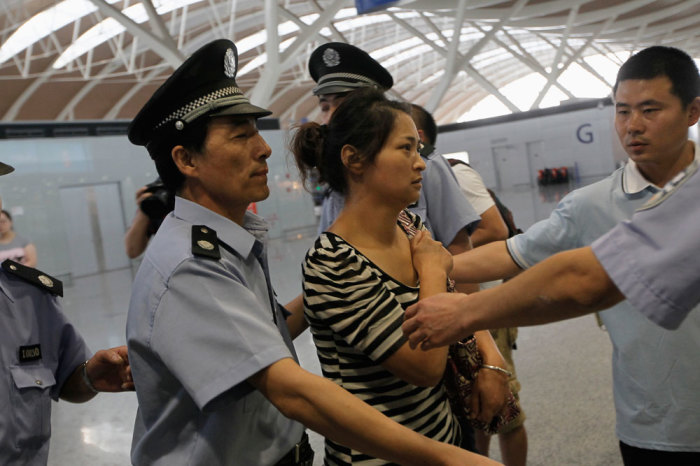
x: 355, y: 311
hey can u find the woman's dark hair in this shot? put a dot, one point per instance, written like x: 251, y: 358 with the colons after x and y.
x: 363, y: 120
x: 658, y: 61
x: 192, y: 138
x: 7, y: 214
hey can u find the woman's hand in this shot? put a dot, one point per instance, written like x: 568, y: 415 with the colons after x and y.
x: 429, y: 255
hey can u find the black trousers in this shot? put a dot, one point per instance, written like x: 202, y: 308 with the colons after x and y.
x: 633, y: 456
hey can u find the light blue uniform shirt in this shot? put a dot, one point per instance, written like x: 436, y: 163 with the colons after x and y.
x: 197, y: 329
x: 442, y: 206
x: 655, y: 371
x: 653, y: 258
x: 30, y: 316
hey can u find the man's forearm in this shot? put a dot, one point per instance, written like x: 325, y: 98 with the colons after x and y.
x: 566, y: 285
x: 483, y: 264
x: 326, y: 408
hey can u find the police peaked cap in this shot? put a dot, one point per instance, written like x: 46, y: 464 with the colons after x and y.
x: 204, y: 85
x: 337, y: 68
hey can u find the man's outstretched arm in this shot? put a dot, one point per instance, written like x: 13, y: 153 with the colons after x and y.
x: 331, y: 411
x: 566, y: 285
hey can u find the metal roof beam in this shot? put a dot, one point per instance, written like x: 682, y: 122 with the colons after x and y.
x: 167, y: 50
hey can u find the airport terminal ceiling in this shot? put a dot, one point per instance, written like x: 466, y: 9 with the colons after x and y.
x: 67, y: 60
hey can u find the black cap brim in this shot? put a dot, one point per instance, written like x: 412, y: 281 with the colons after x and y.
x: 242, y: 110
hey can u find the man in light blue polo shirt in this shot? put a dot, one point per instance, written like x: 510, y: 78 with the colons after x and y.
x: 654, y: 371
x: 216, y: 374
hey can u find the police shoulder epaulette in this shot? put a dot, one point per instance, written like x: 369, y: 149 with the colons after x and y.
x: 204, y: 242
x: 34, y: 276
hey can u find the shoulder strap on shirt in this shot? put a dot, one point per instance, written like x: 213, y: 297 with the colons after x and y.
x: 34, y: 276
x: 205, y: 242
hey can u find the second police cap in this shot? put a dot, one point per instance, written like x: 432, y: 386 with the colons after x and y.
x: 337, y: 68
x: 204, y: 85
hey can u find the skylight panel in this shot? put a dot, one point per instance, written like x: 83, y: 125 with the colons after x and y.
x: 109, y: 28
x: 44, y: 23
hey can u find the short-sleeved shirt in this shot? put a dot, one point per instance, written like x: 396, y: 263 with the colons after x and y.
x: 473, y: 187
x: 14, y: 249
x: 197, y: 329
x: 653, y: 258
x: 40, y: 349
x: 442, y: 206
x: 355, y: 312
x: 655, y: 376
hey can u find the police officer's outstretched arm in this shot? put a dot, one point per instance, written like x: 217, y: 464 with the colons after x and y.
x: 331, y: 411
x: 106, y: 371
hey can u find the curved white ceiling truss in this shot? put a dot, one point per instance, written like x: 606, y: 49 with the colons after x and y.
x: 103, y: 59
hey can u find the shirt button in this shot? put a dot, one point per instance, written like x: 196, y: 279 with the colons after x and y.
x: 38, y: 382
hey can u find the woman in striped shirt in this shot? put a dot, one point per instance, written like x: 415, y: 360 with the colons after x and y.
x: 365, y: 270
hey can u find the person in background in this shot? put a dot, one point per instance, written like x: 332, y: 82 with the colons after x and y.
x: 216, y: 373
x: 513, y: 436
x: 14, y: 246
x: 43, y: 357
x: 655, y: 377
x: 141, y: 229
x: 339, y: 69
x: 154, y: 202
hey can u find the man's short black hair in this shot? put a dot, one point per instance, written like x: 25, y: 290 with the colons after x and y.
x: 658, y: 61
x: 191, y: 138
x: 425, y: 122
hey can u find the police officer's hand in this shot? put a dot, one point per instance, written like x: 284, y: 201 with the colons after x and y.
x: 109, y: 370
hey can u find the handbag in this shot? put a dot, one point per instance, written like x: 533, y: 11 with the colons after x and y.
x: 463, y: 364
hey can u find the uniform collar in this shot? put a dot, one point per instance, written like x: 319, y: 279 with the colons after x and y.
x: 241, y: 239
x: 634, y: 182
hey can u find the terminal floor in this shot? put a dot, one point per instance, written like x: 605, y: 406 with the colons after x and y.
x: 564, y: 368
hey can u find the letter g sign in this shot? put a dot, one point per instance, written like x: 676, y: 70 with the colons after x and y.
x: 584, y: 133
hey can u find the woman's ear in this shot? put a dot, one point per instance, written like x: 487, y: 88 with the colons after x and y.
x: 184, y: 161
x: 351, y: 159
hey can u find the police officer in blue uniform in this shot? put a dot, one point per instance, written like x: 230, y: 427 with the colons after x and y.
x: 43, y: 358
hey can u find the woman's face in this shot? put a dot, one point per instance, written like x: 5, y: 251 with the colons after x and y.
x: 395, y: 174
x: 5, y: 223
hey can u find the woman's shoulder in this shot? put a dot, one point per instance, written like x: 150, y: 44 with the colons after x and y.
x: 329, y: 246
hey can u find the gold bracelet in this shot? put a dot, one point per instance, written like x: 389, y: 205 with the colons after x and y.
x: 86, y: 379
x: 498, y: 369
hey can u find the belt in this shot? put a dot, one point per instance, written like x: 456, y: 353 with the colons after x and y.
x: 301, y: 454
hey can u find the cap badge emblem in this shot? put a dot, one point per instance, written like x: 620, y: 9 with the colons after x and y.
x: 46, y: 281
x: 331, y: 57
x: 230, y: 64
